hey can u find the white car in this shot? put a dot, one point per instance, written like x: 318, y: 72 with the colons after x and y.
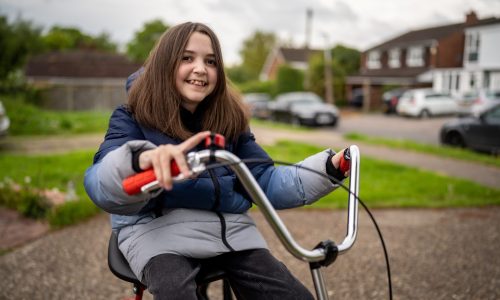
x: 476, y: 102
x: 425, y: 103
x: 4, y: 120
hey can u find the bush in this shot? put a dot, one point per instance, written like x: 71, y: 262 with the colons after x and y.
x: 289, y: 80
x: 24, y: 199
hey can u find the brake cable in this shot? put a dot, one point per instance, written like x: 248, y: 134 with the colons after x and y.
x: 338, y: 182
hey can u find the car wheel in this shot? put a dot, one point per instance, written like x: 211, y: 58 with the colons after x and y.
x: 424, y: 114
x: 296, y: 121
x: 455, y: 139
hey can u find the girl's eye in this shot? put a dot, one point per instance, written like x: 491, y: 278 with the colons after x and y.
x: 187, y: 58
x: 211, y: 62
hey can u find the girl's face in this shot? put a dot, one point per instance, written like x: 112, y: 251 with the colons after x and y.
x: 197, y: 74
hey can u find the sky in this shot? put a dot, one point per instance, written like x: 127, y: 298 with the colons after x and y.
x: 360, y: 24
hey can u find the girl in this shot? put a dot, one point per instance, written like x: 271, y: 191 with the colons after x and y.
x: 179, y: 96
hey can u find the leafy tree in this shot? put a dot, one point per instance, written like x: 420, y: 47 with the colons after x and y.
x: 347, y: 58
x: 254, y: 52
x: 289, y: 79
x: 64, y: 38
x: 345, y: 61
x: 144, y: 40
x: 18, y: 40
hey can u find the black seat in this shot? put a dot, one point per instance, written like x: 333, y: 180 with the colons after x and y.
x: 121, y: 269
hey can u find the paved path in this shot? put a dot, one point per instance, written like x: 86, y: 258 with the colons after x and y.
x: 435, y: 254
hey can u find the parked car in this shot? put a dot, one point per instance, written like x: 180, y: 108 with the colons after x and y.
x: 480, y: 132
x: 304, y: 108
x: 391, y: 99
x: 475, y: 102
x: 4, y: 120
x: 258, y: 103
x: 356, y: 98
x: 425, y: 103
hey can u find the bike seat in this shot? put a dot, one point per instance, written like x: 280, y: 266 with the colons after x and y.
x: 121, y: 269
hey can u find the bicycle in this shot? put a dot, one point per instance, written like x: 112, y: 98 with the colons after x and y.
x: 323, y: 255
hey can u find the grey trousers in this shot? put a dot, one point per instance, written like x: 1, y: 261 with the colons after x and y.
x: 253, y: 274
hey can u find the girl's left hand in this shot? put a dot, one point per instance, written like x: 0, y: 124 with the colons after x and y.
x: 336, y: 161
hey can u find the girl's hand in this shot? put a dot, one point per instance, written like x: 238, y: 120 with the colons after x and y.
x: 159, y: 159
x: 336, y: 161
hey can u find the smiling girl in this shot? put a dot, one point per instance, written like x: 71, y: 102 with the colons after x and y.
x: 179, y: 96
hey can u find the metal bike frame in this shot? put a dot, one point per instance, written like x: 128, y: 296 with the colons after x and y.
x: 260, y: 198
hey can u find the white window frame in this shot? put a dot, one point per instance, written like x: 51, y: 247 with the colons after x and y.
x: 373, y: 61
x: 472, y: 42
x: 415, y: 56
x: 395, y: 58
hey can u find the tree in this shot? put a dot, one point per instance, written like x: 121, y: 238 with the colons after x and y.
x: 63, y: 38
x: 289, y: 79
x: 345, y: 61
x: 18, y: 40
x: 255, y: 51
x: 144, y: 40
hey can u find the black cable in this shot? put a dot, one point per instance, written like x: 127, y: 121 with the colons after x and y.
x: 260, y: 160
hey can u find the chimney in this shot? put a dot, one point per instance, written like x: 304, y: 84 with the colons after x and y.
x: 471, y: 18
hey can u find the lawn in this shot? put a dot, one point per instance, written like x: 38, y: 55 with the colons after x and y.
x: 383, y: 184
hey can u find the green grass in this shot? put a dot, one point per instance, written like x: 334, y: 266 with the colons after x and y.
x: 443, y: 151
x: 277, y: 125
x: 28, y: 119
x: 385, y: 184
x: 53, y: 171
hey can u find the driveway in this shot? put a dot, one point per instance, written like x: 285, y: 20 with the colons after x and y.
x: 434, y: 254
x: 393, y: 126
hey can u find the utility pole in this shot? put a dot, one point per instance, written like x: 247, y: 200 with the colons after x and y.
x: 328, y: 72
x: 309, y: 16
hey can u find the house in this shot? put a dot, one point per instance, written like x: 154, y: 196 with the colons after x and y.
x: 81, y: 79
x: 481, y: 61
x: 410, y: 60
x: 297, y: 58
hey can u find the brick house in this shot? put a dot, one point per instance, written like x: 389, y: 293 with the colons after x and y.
x: 410, y: 60
x: 297, y: 58
x: 80, y: 80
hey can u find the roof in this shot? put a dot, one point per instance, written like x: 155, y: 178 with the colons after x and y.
x: 430, y: 34
x: 81, y: 64
x: 297, y: 54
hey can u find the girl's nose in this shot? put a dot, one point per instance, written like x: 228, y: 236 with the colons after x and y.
x: 199, y: 67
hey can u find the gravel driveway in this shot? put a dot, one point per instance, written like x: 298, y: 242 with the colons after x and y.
x: 435, y: 254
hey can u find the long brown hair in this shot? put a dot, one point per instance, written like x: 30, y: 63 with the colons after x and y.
x: 155, y: 102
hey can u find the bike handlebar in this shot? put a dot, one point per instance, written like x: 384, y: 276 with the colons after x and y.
x: 197, y: 160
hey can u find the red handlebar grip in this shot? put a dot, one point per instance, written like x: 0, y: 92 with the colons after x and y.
x: 132, y: 185
x: 345, y: 161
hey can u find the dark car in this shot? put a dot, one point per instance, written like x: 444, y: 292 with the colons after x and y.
x: 304, y: 108
x: 481, y: 133
x: 356, y: 99
x: 391, y: 99
x: 258, y: 103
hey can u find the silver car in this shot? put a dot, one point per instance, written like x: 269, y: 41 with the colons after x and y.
x: 4, y: 120
x: 476, y: 102
x: 303, y: 108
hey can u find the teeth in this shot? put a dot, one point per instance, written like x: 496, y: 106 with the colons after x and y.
x: 197, y: 82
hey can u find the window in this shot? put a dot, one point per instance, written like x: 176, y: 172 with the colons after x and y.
x: 472, y: 46
x: 394, y: 58
x: 415, y: 56
x: 373, y: 60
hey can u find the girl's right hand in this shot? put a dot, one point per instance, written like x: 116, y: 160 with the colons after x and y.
x: 160, y: 158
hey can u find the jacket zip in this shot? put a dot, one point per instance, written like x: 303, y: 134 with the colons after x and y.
x: 217, y: 204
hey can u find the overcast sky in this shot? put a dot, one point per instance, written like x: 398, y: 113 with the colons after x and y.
x: 356, y: 23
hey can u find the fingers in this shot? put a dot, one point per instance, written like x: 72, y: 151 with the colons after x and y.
x: 336, y: 161
x: 162, y: 157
